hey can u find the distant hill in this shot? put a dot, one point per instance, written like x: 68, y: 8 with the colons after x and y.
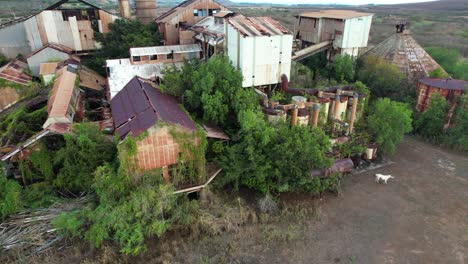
x: 442, y: 5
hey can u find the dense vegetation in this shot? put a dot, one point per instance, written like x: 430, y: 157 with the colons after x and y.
x: 451, y: 60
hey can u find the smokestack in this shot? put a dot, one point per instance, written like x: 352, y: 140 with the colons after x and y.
x: 125, y: 11
x: 146, y: 10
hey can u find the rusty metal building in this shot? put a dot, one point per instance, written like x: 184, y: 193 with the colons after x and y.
x: 451, y: 89
x: 174, y: 25
x: 50, y: 52
x: 71, y: 23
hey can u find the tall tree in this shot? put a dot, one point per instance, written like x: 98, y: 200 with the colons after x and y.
x: 430, y: 124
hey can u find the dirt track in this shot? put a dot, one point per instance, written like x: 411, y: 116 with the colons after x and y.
x: 421, y: 216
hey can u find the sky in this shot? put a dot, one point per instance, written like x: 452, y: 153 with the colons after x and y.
x: 324, y: 2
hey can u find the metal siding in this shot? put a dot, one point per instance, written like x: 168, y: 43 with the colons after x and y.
x: 76, y: 33
x: 32, y: 33
x: 13, y: 40
x: 43, y: 56
x: 356, y: 32
x: 64, y: 34
x: 42, y: 29
x: 50, y: 26
x: 86, y: 35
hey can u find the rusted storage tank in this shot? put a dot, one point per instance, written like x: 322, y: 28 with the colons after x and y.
x: 125, y: 11
x: 324, y: 106
x: 342, y: 106
x: 302, y: 115
x: 146, y: 10
x: 274, y: 115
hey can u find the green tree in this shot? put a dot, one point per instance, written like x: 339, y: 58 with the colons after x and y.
x: 3, y: 60
x: 342, y: 69
x: 84, y: 151
x: 383, y: 78
x: 461, y: 70
x: 212, y: 90
x: 457, y: 136
x: 430, y: 124
x: 123, y: 34
x: 10, y: 195
x: 388, y: 122
x: 274, y: 158
x: 447, y: 58
x: 438, y: 73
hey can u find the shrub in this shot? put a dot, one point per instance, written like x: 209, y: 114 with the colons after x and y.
x: 3, y: 60
x: 69, y: 224
x: 388, y: 122
x: 10, y: 195
x: 430, y: 124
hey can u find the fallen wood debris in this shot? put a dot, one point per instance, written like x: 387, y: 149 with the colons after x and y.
x: 32, y: 231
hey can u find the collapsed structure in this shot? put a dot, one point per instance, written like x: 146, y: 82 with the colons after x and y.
x: 338, y: 31
x: 71, y: 23
x: 174, y: 25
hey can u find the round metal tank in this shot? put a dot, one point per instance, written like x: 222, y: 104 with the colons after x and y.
x: 299, y: 101
x: 146, y: 10
x: 341, y: 113
x: 274, y: 115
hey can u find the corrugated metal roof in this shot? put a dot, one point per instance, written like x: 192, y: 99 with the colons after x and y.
x: 146, y: 51
x: 139, y: 105
x: 443, y: 83
x: 62, y: 93
x: 175, y: 10
x: 335, y: 14
x: 14, y: 72
x: 48, y: 68
x: 258, y: 26
x: 223, y: 13
x: 121, y: 71
x: 55, y: 46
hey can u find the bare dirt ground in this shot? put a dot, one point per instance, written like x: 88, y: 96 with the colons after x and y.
x: 421, y: 216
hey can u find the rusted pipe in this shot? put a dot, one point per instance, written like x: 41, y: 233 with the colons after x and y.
x: 316, y: 114
x: 353, y: 113
x: 340, y: 166
x: 294, y: 115
x: 336, y: 107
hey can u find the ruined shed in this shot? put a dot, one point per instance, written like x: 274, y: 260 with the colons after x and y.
x: 451, y: 89
x: 260, y: 47
x: 348, y: 30
x: 141, y: 108
x: 71, y: 23
x: 188, y: 13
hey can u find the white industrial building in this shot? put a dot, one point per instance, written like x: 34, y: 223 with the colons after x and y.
x: 346, y: 31
x: 147, y: 63
x: 260, y: 47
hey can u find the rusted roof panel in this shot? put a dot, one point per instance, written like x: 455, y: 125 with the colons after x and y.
x: 55, y: 46
x: 335, y: 14
x: 48, y: 68
x: 444, y: 83
x: 215, y: 132
x: 258, y: 26
x: 62, y: 93
x: 14, y: 72
x: 139, y: 105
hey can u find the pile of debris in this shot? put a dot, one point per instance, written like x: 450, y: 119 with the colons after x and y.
x: 32, y: 231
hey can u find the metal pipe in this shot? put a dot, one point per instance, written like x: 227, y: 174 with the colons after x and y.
x: 294, y: 115
x: 353, y: 112
x: 316, y: 114
x: 336, y: 107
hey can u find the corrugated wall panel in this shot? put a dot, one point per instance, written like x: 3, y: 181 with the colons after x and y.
x: 64, y: 34
x: 50, y: 26
x: 86, y: 35
x: 13, y: 41
x: 76, y: 33
x: 42, y: 29
x: 46, y: 55
x: 32, y: 33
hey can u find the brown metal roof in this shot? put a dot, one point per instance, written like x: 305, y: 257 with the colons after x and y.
x: 215, y: 132
x: 91, y: 79
x: 258, y: 26
x: 55, y: 46
x: 445, y: 83
x: 139, y: 106
x: 62, y: 93
x: 48, y: 68
x: 14, y: 72
x: 175, y: 10
x: 223, y: 14
x: 335, y: 14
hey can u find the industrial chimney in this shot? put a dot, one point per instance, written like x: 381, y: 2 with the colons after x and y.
x: 125, y: 9
x: 146, y: 10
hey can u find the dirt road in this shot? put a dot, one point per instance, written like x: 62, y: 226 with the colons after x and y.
x: 421, y: 216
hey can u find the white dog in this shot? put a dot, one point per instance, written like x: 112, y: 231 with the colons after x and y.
x: 385, y: 178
